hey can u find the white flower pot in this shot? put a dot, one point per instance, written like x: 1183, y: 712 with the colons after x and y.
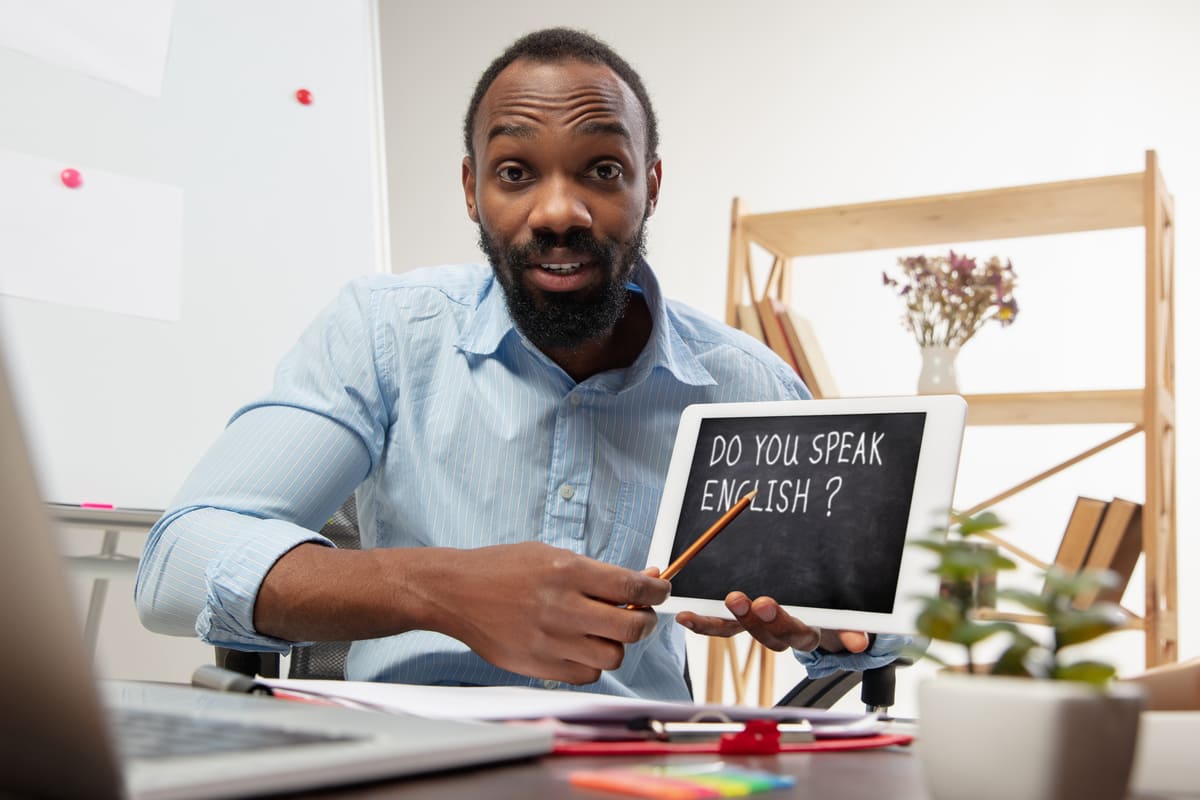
x: 993, y: 738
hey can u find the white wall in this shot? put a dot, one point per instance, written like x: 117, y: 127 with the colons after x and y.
x: 798, y: 104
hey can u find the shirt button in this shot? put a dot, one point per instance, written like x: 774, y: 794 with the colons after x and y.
x: 551, y: 684
x: 566, y: 491
x: 575, y: 400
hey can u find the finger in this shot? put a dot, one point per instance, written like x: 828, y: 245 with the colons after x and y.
x: 620, y: 586
x: 653, y: 572
x: 620, y: 624
x: 708, y: 626
x: 572, y: 672
x: 853, y: 641
x: 584, y: 650
x: 767, y: 622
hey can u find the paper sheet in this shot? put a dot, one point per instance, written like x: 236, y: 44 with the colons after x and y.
x: 115, y: 243
x: 519, y: 702
x: 121, y: 41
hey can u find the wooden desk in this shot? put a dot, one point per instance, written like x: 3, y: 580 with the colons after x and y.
x: 893, y: 773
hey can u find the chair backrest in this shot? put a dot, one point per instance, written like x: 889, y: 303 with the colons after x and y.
x: 325, y: 660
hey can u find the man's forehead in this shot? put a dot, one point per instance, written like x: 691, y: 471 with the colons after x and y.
x: 572, y: 88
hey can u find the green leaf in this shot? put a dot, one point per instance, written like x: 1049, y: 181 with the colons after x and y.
x: 936, y: 545
x: 1074, y: 584
x: 939, y: 620
x: 1012, y: 660
x: 1093, y: 672
x: 970, y: 633
x: 975, y: 559
x: 1034, y: 601
x: 1075, y: 627
x: 983, y: 521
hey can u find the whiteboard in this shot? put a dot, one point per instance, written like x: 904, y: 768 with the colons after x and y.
x: 282, y: 204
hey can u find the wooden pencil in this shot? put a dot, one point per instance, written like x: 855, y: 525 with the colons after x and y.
x: 707, y: 536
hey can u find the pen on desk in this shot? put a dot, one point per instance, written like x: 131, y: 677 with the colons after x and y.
x: 706, y: 537
x: 210, y: 676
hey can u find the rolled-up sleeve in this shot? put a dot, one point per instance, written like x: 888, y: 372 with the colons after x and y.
x: 238, y: 514
x: 271, y: 480
x: 884, y: 650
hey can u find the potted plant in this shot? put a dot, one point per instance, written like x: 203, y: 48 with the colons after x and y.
x: 1033, y: 723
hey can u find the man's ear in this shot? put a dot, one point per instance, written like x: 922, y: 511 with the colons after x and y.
x: 468, y: 181
x: 653, y: 182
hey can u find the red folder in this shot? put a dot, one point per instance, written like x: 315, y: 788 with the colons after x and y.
x: 761, y: 737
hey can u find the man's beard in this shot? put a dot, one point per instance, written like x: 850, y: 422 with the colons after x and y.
x: 564, y: 320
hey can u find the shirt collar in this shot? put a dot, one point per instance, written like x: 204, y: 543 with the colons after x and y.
x: 666, y: 348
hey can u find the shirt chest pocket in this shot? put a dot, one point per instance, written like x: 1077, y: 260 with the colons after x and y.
x: 633, y: 525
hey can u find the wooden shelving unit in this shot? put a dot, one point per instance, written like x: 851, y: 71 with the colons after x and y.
x: 1135, y: 200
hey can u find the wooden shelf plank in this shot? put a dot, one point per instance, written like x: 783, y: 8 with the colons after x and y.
x: 1090, y: 204
x: 1132, y: 621
x: 1056, y: 408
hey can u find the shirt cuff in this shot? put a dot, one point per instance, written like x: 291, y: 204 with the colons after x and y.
x: 233, y: 580
x: 885, y: 649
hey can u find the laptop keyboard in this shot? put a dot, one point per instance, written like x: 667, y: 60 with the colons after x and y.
x: 153, y: 734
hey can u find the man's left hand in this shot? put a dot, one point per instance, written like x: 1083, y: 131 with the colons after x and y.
x: 767, y: 622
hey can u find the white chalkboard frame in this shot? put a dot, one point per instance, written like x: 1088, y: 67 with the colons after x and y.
x: 932, y: 494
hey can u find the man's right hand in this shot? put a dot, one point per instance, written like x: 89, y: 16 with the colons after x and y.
x: 529, y: 608
x: 546, y: 612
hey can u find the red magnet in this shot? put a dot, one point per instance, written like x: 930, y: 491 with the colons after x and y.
x: 304, y: 96
x: 71, y: 178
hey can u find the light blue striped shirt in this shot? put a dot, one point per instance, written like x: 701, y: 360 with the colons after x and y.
x: 417, y: 391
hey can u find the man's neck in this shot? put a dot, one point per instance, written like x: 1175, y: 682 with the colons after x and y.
x: 619, y: 348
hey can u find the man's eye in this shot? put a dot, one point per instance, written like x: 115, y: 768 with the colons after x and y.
x: 607, y: 171
x: 512, y: 174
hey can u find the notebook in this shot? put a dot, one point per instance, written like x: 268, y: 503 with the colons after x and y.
x: 61, y: 730
x: 844, y: 486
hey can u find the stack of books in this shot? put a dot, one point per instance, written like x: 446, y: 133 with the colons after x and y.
x: 1102, y: 535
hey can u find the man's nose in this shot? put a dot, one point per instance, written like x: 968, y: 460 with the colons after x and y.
x: 558, y: 208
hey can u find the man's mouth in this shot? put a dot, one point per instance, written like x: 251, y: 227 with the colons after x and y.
x: 562, y: 269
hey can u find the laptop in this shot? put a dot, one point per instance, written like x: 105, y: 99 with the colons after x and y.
x: 63, y: 734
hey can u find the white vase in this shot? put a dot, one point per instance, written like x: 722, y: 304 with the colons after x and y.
x: 987, y: 737
x: 937, y: 370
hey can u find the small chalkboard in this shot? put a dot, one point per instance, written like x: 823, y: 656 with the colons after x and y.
x: 842, y: 486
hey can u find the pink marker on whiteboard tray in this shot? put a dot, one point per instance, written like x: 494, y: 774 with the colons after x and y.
x: 95, y: 505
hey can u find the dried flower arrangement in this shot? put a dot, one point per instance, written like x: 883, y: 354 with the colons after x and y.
x: 949, y: 298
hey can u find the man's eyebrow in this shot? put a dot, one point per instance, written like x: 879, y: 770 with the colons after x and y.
x: 511, y: 129
x: 595, y: 128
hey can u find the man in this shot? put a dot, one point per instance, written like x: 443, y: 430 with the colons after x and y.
x: 507, y: 429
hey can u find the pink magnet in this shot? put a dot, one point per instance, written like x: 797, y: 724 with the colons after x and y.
x: 71, y: 178
x: 304, y: 96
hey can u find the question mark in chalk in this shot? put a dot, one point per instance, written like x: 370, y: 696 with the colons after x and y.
x: 836, y: 489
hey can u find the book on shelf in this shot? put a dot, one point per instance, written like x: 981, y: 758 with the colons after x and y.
x: 1117, y: 545
x: 1081, y: 530
x: 747, y: 320
x: 813, y: 368
x: 773, y: 333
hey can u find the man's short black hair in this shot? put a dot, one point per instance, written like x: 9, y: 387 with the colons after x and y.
x: 562, y: 44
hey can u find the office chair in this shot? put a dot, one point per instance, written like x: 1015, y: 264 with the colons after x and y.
x: 327, y: 660
x: 878, y: 688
